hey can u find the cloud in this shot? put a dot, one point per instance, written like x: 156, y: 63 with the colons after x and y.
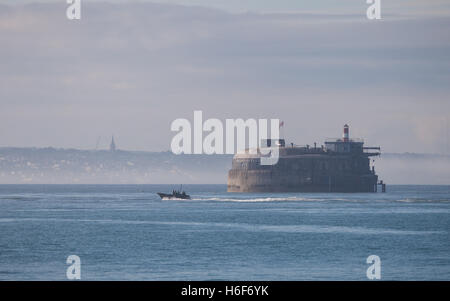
x: 130, y: 69
x: 391, y: 7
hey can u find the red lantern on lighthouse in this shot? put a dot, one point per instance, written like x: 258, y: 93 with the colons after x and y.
x: 346, y: 136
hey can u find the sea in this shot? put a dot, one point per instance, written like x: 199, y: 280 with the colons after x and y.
x: 126, y: 232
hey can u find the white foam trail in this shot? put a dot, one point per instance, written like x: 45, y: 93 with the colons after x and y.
x: 174, y: 199
x: 261, y: 199
x: 311, y: 199
x: 420, y: 200
x: 244, y: 227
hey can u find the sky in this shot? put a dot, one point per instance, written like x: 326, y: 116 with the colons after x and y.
x: 130, y: 69
x: 417, y: 7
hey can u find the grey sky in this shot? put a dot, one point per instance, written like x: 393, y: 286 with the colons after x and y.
x: 130, y: 69
x: 402, y: 7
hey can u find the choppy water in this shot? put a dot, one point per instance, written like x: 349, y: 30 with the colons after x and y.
x: 124, y: 232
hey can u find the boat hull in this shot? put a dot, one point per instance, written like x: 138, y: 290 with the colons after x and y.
x: 174, y: 196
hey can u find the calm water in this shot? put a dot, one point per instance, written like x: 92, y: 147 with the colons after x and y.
x: 124, y: 232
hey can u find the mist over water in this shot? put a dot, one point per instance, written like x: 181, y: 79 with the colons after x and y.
x: 414, y: 169
x: 60, y: 166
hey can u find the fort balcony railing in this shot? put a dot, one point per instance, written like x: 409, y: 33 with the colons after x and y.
x: 331, y: 140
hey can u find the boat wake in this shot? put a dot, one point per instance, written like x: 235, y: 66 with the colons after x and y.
x: 259, y: 199
x: 314, y: 199
x: 174, y: 199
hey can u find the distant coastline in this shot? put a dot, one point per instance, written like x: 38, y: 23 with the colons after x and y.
x: 19, y: 165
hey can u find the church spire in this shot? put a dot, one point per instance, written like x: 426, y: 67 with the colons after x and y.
x: 112, y: 146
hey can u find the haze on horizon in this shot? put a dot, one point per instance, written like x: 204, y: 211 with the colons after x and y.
x: 130, y: 69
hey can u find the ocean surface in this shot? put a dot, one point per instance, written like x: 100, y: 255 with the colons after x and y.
x: 125, y: 232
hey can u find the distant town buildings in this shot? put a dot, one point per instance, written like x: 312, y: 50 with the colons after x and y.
x: 72, y: 166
